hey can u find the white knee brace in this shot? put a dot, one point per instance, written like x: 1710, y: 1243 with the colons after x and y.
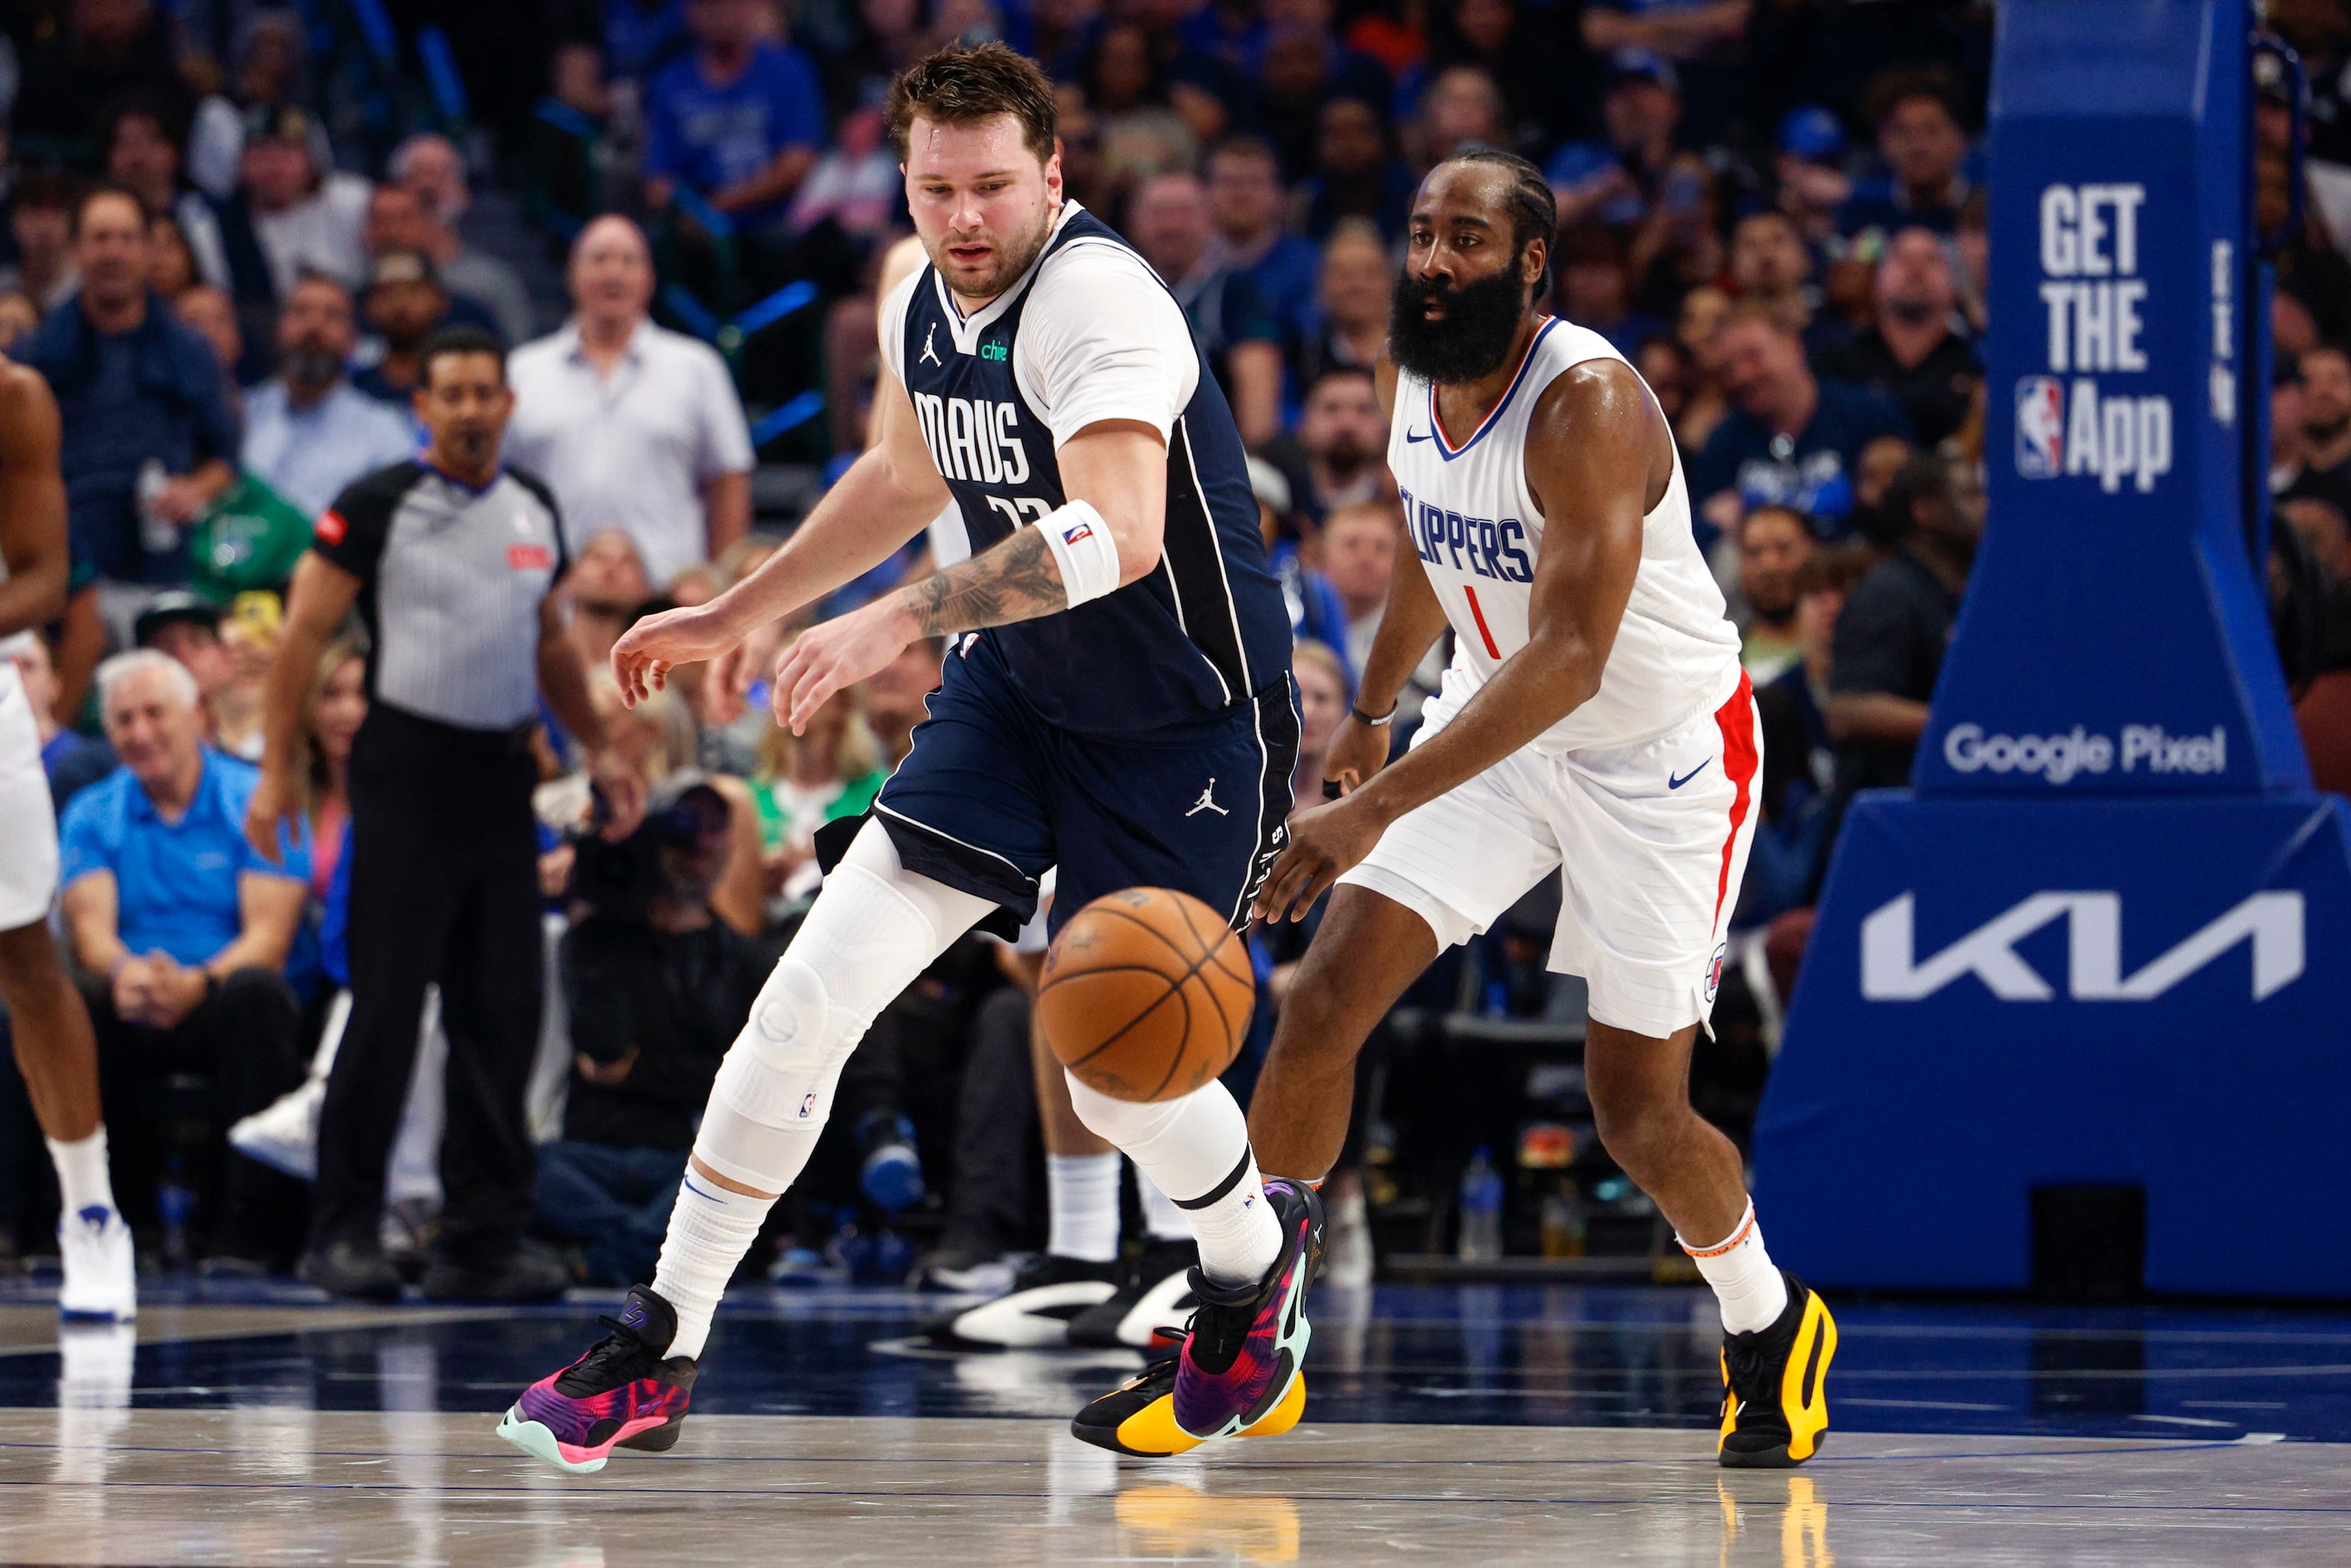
x: 873, y: 928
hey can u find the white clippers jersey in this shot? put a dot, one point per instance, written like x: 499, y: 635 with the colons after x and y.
x: 1468, y: 513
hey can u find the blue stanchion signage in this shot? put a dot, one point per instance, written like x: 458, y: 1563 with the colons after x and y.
x: 2094, y: 945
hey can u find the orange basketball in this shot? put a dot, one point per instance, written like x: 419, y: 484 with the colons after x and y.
x: 1145, y: 994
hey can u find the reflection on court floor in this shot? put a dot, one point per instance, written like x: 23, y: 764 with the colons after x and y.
x: 1489, y: 1424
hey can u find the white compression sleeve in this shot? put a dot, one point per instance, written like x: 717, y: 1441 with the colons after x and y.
x: 1198, y: 1147
x: 874, y: 927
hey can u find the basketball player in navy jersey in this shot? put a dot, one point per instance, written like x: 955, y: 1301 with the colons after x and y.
x: 1116, y: 704
x: 1594, y: 724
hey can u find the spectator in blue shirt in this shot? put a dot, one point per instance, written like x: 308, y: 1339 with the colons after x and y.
x: 640, y: 36
x: 1168, y: 219
x: 1618, y: 179
x: 1245, y: 195
x: 184, y: 932
x: 309, y: 433
x: 738, y: 121
x: 1791, y: 438
x: 138, y: 393
x: 1925, y: 146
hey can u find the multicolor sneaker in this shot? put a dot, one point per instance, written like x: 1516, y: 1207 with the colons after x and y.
x: 1137, y: 1419
x: 1239, y: 1370
x: 1775, y: 1407
x: 622, y: 1394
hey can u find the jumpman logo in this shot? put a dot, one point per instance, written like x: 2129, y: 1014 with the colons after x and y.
x: 930, y: 350
x: 1207, y: 803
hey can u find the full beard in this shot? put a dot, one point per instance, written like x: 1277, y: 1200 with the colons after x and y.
x: 1473, y: 337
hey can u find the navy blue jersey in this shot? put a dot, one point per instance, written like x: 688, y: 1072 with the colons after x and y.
x: 1204, y: 632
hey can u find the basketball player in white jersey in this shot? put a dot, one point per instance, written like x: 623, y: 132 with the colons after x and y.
x: 1595, y: 723
x: 54, y: 1049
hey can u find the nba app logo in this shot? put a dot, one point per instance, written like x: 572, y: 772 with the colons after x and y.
x: 2040, y: 428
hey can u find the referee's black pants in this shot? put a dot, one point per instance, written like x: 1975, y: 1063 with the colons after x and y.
x: 444, y: 888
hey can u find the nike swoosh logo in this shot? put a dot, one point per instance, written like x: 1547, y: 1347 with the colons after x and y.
x: 1411, y: 437
x: 1674, y: 783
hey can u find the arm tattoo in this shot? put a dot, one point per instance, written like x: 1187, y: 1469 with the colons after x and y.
x: 1017, y: 580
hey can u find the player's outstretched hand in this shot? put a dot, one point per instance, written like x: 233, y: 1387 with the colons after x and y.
x: 1325, y: 842
x: 648, y: 650
x: 840, y: 654
x: 1357, y: 750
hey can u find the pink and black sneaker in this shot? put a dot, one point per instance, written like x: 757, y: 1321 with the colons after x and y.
x: 621, y: 1394
x: 1248, y: 1341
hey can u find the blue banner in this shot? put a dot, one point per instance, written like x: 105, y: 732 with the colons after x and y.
x: 2096, y: 945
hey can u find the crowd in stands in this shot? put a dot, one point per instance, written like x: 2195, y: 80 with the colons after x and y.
x: 224, y: 253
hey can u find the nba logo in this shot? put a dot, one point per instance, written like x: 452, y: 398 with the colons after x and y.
x: 1714, y: 970
x: 1077, y: 531
x: 2039, y: 428
x: 807, y: 1105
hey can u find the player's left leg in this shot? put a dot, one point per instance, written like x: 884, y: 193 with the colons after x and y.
x: 57, y: 1054
x: 875, y: 926
x: 1654, y: 839
x: 1205, y: 816
x: 1778, y: 1337
x: 54, y: 1046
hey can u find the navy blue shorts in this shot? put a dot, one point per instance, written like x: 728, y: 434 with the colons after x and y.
x: 992, y: 796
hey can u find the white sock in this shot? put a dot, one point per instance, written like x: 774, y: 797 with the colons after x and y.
x: 1082, y: 1197
x: 82, y: 1180
x: 710, y: 1229
x: 1239, y: 1235
x: 1161, y: 1220
x: 1744, y: 1278
x: 1197, y: 1144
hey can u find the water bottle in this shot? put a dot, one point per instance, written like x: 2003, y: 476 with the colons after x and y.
x: 158, y: 534
x: 1481, y: 1209
x: 1564, y: 1229
x: 173, y: 1201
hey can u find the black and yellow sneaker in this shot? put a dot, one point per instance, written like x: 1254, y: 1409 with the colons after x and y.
x: 1775, y: 1407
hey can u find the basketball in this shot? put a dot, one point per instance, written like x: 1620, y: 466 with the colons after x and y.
x: 1145, y: 994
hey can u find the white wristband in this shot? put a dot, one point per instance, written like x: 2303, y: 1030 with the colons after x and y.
x: 1081, y: 542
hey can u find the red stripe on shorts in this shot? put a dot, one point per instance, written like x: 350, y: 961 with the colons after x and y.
x: 1479, y: 616
x: 1736, y: 720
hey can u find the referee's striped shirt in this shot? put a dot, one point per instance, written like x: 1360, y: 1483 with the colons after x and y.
x: 451, y: 581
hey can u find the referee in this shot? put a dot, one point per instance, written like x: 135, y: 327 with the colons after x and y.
x: 454, y: 564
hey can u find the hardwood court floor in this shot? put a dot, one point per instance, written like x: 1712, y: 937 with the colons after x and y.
x: 259, y: 1424
x: 286, y: 1486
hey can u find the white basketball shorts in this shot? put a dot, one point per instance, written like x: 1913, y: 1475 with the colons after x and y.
x: 28, y: 828
x: 1651, y: 839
